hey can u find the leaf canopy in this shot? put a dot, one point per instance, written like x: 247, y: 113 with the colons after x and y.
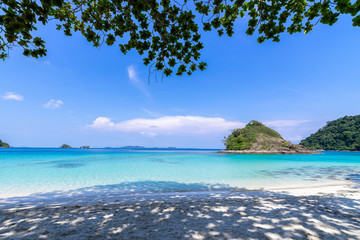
x: 165, y: 32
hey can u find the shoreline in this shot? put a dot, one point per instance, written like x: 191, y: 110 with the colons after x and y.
x: 269, y: 152
x: 41, y: 198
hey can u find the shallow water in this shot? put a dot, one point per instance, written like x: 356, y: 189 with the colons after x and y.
x: 25, y: 171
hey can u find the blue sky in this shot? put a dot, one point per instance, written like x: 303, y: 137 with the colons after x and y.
x: 81, y: 95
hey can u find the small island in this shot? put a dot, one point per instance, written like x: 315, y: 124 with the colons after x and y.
x: 85, y: 147
x: 256, y: 138
x: 65, y: 146
x: 4, y: 144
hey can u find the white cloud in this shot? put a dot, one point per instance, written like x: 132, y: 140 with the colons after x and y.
x: 168, y: 125
x: 53, y: 104
x: 12, y: 96
x: 292, y: 130
x: 46, y: 62
x: 285, y: 123
x: 134, y: 80
x: 42, y: 62
x: 295, y: 138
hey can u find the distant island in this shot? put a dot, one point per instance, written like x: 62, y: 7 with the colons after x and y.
x: 133, y: 147
x: 4, y: 144
x: 256, y: 138
x: 65, y: 146
x: 85, y: 147
x: 342, y: 134
x: 148, y: 148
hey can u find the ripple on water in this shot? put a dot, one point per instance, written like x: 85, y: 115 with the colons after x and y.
x: 165, y: 161
x: 68, y: 165
x: 311, y: 173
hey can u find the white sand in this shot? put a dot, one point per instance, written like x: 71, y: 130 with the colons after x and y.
x: 298, y: 212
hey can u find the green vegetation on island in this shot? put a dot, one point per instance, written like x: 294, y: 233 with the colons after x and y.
x: 85, y: 147
x: 255, y: 137
x: 340, y: 134
x: 65, y: 146
x: 3, y: 144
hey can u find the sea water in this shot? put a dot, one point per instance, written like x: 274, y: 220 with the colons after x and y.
x: 31, y: 171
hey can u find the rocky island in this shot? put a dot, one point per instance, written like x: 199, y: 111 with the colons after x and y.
x: 256, y: 138
x: 3, y: 144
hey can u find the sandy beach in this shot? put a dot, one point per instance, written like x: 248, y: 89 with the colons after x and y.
x: 301, y: 212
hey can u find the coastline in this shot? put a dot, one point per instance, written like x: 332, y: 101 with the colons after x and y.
x: 298, y: 212
x: 91, y: 192
x: 268, y: 152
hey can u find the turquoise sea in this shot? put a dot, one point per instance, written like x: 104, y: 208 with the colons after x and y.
x: 27, y: 171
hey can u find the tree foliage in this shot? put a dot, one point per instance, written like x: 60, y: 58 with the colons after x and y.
x: 3, y: 144
x: 166, y: 32
x: 340, y: 134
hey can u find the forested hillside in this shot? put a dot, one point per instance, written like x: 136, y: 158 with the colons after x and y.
x: 340, y: 134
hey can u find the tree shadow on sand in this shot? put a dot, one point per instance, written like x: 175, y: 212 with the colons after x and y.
x: 227, y: 214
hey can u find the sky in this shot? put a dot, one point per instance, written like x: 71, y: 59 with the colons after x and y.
x: 81, y: 95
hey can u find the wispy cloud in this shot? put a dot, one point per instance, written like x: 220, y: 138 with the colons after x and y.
x: 292, y: 130
x: 152, y: 113
x: 12, y: 96
x: 136, y: 81
x: 285, y: 123
x: 42, y: 62
x: 168, y: 125
x: 53, y: 104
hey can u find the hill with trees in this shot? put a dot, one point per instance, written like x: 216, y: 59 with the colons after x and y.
x: 340, y: 134
x: 3, y: 144
x: 65, y: 146
x: 256, y: 138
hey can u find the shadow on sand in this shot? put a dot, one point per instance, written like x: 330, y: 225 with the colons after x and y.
x: 203, y: 215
